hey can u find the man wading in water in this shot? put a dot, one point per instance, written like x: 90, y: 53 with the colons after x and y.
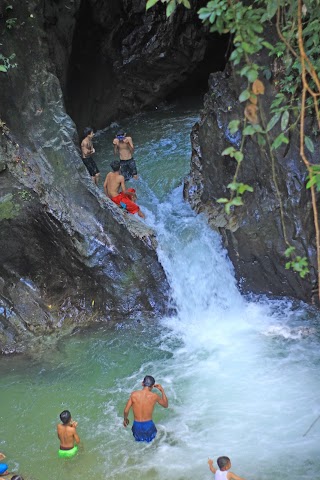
x: 143, y: 403
x: 123, y: 146
x: 67, y: 434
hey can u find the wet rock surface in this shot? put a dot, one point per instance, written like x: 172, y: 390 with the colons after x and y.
x: 253, y: 233
x: 68, y: 255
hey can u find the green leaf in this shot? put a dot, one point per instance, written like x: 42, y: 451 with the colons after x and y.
x: 289, y: 251
x: 238, y: 156
x: 171, y: 7
x: 249, y: 130
x: 244, y: 96
x: 309, y: 144
x: 228, y: 151
x: 252, y: 75
x: 267, y: 45
x: 237, y: 201
x: 261, y: 140
x: 234, y: 126
x: 274, y: 120
x: 279, y: 140
x: 223, y: 200
x: 284, y: 120
x: 150, y: 3
x: 186, y: 3
x: 3, y: 68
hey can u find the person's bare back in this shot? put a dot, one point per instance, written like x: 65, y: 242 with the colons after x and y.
x: 143, y: 403
x: 67, y: 435
x: 113, y: 183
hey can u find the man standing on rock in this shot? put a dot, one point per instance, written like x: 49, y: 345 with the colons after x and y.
x: 143, y: 403
x: 123, y: 146
x: 87, y: 151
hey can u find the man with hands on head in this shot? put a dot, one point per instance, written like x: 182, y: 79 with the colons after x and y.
x: 142, y: 403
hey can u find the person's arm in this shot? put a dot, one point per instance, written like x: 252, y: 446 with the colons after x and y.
x: 115, y: 146
x: 233, y: 476
x: 105, y: 188
x: 130, y: 144
x: 76, y: 436
x: 123, y: 187
x: 2, y: 456
x: 212, y: 468
x: 126, y: 412
x: 163, y: 401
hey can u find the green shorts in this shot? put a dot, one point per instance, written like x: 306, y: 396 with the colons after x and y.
x: 68, y: 453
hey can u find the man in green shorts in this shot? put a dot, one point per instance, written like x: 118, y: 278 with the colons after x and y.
x: 67, y: 434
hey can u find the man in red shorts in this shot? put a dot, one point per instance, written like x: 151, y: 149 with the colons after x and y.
x: 113, y: 183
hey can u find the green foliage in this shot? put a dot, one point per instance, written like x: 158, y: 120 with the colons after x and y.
x: 314, y: 177
x: 10, y: 23
x: 297, y: 263
x: 6, y: 64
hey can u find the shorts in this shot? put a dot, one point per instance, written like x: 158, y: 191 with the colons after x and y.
x: 68, y: 453
x: 125, y: 202
x: 91, y: 166
x: 144, y: 431
x: 128, y: 168
x: 3, y: 468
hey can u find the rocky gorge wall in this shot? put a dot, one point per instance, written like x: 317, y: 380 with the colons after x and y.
x: 253, y: 233
x: 68, y: 255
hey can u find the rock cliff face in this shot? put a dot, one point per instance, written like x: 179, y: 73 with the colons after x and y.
x: 118, y: 59
x: 253, y: 233
x: 68, y: 255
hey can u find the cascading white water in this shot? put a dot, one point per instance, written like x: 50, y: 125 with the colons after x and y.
x: 241, y: 374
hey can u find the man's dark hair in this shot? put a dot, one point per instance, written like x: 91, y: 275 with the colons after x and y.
x: 223, y: 462
x: 87, y: 131
x: 148, y: 381
x: 115, y: 165
x: 121, y: 133
x: 16, y: 477
x: 65, y: 417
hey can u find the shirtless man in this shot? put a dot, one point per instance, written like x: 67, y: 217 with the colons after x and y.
x: 87, y: 151
x: 123, y: 146
x: 143, y: 403
x: 67, y: 434
x: 113, y: 183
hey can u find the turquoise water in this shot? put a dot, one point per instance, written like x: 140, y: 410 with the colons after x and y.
x: 242, y: 375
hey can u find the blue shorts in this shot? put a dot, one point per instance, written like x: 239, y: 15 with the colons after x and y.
x: 144, y: 431
x: 3, y: 467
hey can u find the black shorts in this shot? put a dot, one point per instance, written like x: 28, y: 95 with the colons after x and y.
x: 91, y: 166
x: 128, y: 168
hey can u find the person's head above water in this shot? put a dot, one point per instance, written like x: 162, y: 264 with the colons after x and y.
x: 148, y: 381
x: 16, y: 477
x: 223, y: 462
x: 115, y: 165
x: 87, y: 131
x: 121, y: 135
x: 65, y: 417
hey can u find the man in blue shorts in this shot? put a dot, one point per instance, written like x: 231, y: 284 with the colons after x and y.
x: 143, y: 403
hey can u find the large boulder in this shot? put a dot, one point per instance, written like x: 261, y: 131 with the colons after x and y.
x: 253, y: 234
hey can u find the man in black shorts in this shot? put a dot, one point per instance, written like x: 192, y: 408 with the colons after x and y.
x: 123, y: 146
x: 87, y: 151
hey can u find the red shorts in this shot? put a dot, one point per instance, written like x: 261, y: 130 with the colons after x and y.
x: 125, y: 201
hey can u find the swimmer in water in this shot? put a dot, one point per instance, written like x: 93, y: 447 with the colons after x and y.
x: 222, y: 473
x: 3, y: 467
x: 143, y: 403
x: 67, y: 434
